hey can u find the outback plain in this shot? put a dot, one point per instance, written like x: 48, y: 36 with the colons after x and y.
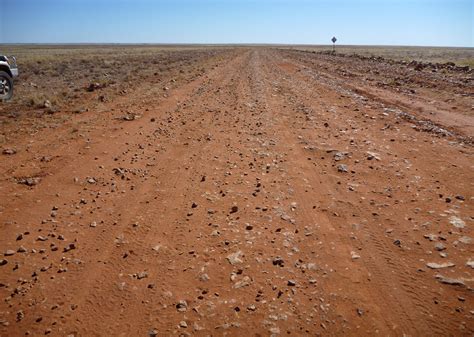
x: 237, y: 191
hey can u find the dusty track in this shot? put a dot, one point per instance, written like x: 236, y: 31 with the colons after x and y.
x: 245, y: 158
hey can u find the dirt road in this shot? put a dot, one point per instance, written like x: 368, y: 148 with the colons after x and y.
x: 270, y: 195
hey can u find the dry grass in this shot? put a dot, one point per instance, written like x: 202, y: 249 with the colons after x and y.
x: 459, y: 56
x: 57, y: 53
x: 61, y: 74
x: 57, y: 82
x: 50, y: 53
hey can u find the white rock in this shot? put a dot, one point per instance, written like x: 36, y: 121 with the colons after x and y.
x: 434, y: 265
x: 243, y: 283
x: 456, y: 222
x: 355, y: 256
x: 235, y: 258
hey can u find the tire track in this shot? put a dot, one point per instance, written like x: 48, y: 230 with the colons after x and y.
x: 414, y: 292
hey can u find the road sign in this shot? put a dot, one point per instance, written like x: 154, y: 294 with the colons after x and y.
x: 334, y: 44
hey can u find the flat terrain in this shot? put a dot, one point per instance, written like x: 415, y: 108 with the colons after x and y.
x: 235, y: 191
x: 460, y: 56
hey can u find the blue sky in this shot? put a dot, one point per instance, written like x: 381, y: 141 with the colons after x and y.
x: 370, y: 22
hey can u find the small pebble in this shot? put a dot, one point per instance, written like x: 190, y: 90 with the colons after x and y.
x: 9, y: 252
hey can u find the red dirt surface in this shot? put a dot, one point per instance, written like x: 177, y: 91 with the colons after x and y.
x: 258, y: 192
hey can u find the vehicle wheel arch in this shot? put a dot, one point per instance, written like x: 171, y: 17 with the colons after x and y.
x: 6, y: 69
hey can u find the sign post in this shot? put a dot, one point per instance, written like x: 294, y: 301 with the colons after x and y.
x: 334, y: 44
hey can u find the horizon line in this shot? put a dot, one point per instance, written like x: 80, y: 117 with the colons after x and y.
x: 216, y: 44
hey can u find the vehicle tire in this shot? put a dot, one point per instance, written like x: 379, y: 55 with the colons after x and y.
x: 6, y: 86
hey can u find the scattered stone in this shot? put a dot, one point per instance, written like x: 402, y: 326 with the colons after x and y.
x: 47, y: 104
x: 3, y: 262
x: 245, y: 281
x: 29, y: 181
x: 183, y: 324
x: 234, y: 209
x: 278, y: 261
x: 450, y: 281
x: 20, y: 315
x: 142, y: 275
x: 119, y: 171
x: 274, y: 330
x: 431, y: 237
x: 251, y: 307
x: 197, y: 327
x: 465, y: 239
x: 94, y: 86
x: 456, y: 222
x: 204, y: 277
x: 69, y: 247
x: 291, y: 283
x: 45, y: 268
x: 182, y: 306
x: 9, y: 252
x: 235, y: 258
x: 434, y: 265
x: 355, y: 256
x: 21, y: 249
x: 153, y: 333
x: 130, y: 117
x: 440, y: 247
x: 340, y: 156
x: 287, y: 218
x: 373, y: 155
x: 8, y: 152
x: 342, y: 168
x: 397, y: 243
x: 470, y: 263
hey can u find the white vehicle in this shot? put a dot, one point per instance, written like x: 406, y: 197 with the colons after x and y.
x: 8, y: 71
